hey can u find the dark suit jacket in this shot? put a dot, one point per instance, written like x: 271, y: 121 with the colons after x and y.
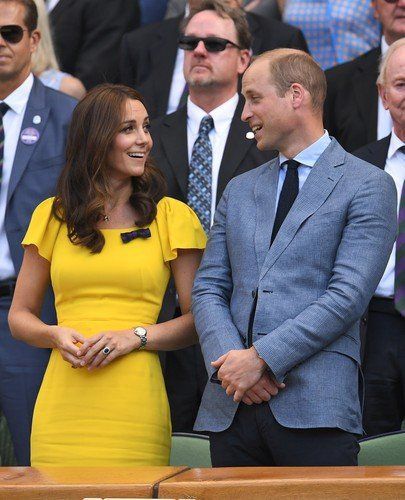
x: 351, y: 105
x: 34, y: 175
x: 170, y: 152
x: 148, y: 54
x: 376, y: 154
x: 87, y: 36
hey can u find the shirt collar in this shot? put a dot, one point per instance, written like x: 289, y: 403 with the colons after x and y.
x: 222, y: 115
x: 17, y: 100
x: 395, y: 144
x: 384, y: 45
x: 309, y: 156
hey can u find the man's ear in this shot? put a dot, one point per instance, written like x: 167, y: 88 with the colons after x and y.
x: 35, y: 39
x: 383, y: 94
x: 298, y: 94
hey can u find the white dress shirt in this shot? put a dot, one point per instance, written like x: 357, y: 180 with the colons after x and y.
x: 307, y: 159
x: 222, y: 117
x: 178, y: 83
x: 12, y: 121
x: 384, y: 121
x: 395, y: 166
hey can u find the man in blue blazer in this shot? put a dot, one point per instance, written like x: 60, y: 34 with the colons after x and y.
x: 33, y: 127
x: 297, y: 249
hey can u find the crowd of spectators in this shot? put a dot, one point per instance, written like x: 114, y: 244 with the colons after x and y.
x: 155, y: 48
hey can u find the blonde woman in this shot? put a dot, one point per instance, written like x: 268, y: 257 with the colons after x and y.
x: 44, y: 63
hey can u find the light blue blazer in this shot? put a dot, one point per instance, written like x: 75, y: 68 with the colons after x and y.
x: 313, y: 285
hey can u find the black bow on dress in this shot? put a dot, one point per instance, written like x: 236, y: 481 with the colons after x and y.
x: 138, y: 233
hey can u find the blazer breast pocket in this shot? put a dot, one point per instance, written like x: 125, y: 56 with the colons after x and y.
x: 326, y: 218
x: 39, y: 164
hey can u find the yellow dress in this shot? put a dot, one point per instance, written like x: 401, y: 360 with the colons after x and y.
x: 117, y: 415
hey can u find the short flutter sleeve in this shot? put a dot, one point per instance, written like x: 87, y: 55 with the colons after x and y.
x: 179, y: 228
x: 43, y: 229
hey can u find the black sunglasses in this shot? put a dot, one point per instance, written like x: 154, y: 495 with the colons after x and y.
x: 211, y: 43
x: 12, y: 33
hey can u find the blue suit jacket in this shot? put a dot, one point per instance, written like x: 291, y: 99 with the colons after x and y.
x: 313, y: 285
x: 36, y: 169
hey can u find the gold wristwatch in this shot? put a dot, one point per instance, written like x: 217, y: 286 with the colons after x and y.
x: 142, y: 333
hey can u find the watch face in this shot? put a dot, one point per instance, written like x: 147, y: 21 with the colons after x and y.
x: 140, y: 330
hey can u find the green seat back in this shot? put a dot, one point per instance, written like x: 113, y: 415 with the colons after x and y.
x: 192, y: 450
x: 388, y: 449
x: 6, y: 446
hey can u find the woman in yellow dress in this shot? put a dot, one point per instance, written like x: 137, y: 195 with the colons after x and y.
x: 107, y: 243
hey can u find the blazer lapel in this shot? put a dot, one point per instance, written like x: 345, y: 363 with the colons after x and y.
x: 175, y: 146
x: 236, y: 148
x: 265, y: 198
x: 365, y: 90
x: 59, y: 9
x: 35, y: 107
x: 318, y: 186
x: 379, y: 151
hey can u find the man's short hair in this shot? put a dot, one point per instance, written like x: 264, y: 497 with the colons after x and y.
x: 288, y: 66
x: 237, y: 15
x: 31, y: 12
x: 382, y: 75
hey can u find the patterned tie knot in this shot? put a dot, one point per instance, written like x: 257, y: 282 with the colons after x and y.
x: 206, y: 125
x: 3, y: 109
x: 402, y: 149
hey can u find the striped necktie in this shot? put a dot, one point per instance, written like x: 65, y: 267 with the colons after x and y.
x: 400, y: 254
x: 3, y: 110
x: 200, y: 174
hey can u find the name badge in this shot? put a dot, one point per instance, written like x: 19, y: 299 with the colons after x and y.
x: 29, y: 136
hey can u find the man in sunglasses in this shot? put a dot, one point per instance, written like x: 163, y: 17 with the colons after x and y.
x: 33, y: 127
x: 354, y: 113
x: 200, y: 148
x: 152, y: 62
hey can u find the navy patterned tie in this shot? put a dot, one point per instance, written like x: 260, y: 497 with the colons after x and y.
x: 200, y: 174
x: 3, y: 110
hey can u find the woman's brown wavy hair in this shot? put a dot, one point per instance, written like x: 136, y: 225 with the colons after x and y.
x: 83, y: 188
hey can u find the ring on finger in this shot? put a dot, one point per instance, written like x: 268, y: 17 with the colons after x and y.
x: 106, y: 350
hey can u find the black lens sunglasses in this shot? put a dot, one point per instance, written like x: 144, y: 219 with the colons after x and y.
x: 12, y: 33
x: 211, y: 43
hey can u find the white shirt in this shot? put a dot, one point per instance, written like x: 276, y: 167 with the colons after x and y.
x: 222, y: 117
x: 307, y: 158
x: 12, y: 121
x: 395, y: 166
x: 51, y: 4
x: 384, y: 121
x: 178, y: 83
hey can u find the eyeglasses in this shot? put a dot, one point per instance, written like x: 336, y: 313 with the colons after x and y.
x: 211, y: 43
x: 12, y: 33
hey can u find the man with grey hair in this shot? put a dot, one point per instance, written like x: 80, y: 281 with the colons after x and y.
x: 296, y: 250
x: 384, y: 364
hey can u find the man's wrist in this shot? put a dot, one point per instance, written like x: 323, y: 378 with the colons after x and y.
x: 261, y: 362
